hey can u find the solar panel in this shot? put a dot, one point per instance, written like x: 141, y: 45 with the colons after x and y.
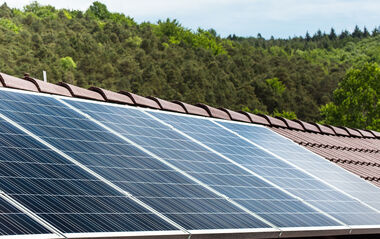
x: 127, y: 167
x: 86, y: 166
x: 286, y: 176
x: 56, y: 189
x: 248, y: 190
x: 310, y: 162
x: 15, y: 222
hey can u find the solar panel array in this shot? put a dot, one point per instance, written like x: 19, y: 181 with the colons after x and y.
x: 76, y: 167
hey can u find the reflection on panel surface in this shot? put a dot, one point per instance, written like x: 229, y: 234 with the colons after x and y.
x: 275, y: 170
x: 151, y: 181
x: 223, y: 176
x: 51, y: 186
x: 310, y: 162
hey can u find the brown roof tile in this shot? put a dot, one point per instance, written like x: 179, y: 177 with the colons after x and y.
x: 141, y: 100
x: 352, y: 132
x: 49, y: 88
x: 17, y: 83
x: 324, y: 129
x: 366, y: 133
x: 375, y: 133
x: 274, y: 121
x: 82, y: 92
x: 113, y: 96
x: 339, y: 131
x: 236, y: 115
x: 192, y: 109
x: 167, y: 105
x: 291, y: 124
x: 309, y: 127
x: 256, y: 119
x: 214, y: 112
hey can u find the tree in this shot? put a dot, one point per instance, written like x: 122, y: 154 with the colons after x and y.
x: 68, y: 63
x: 357, y: 33
x: 99, y: 10
x: 356, y: 100
x: 332, y: 35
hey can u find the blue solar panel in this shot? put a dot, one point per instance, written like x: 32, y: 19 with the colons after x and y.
x: 310, y: 162
x: 223, y: 176
x: 302, y: 185
x: 54, y: 188
x: 149, y: 180
x: 15, y: 222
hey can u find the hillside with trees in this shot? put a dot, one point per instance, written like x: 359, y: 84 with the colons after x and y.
x: 291, y: 77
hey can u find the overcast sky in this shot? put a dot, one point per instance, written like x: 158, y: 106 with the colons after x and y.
x: 278, y: 18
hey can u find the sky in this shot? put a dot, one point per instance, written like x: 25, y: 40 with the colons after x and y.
x: 278, y: 18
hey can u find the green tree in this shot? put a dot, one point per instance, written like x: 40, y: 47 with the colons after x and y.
x: 356, y: 100
x: 68, y: 63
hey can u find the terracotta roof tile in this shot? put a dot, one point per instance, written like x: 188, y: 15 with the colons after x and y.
x: 375, y: 133
x: 256, y: 119
x: 167, y: 105
x: 17, y: 83
x: 236, y: 115
x: 141, y: 101
x: 113, y: 97
x: 309, y: 127
x: 274, y: 121
x: 324, y: 129
x: 291, y: 123
x: 192, y: 109
x: 339, y: 131
x: 352, y: 132
x: 82, y: 92
x: 366, y: 133
x: 49, y: 88
x: 214, y: 112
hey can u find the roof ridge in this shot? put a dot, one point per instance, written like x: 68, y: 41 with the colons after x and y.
x: 124, y: 97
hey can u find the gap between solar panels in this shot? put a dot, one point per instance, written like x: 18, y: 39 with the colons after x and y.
x: 33, y: 216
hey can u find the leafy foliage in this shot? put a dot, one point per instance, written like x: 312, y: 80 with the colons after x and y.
x: 112, y: 51
x: 357, y: 99
x: 68, y: 63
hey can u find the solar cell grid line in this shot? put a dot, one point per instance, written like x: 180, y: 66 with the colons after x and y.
x: 291, y: 179
x: 209, y: 168
x: 123, y: 165
x: 310, y: 162
x: 15, y: 222
x: 69, y: 198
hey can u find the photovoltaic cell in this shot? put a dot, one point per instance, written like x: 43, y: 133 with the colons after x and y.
x: 223, y: 176
x: 15, y: 222
x: 310, y: 162
x: 293, y: 180
x: 149, y: 180
x: 57, y: 190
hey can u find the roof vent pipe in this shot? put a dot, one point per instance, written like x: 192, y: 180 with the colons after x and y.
x: 44, y: 75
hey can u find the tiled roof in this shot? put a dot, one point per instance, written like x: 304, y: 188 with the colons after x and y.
x: 355, y: 150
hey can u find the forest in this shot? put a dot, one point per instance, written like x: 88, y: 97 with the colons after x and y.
x: 299, y: 77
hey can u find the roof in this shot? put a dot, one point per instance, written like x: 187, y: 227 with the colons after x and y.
x: 244, y: 169
x: 355, y: 150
